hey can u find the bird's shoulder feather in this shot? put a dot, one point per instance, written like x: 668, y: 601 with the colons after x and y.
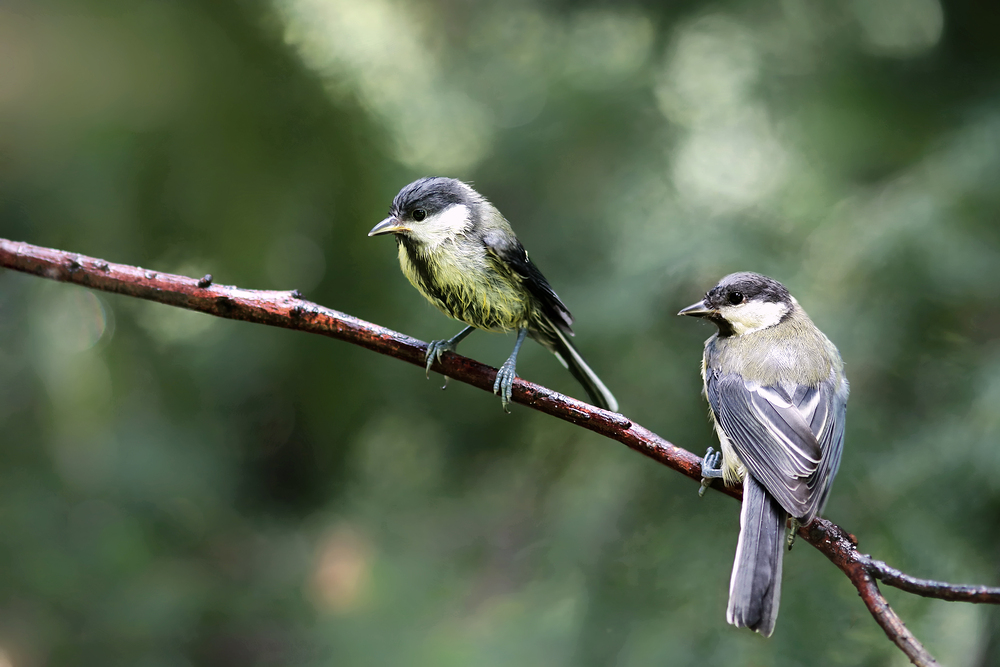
x: 509, y: 255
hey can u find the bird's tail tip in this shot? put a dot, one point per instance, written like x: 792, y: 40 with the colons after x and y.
x: 755, y: 586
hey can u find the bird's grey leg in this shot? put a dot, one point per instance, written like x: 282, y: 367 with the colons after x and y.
x: 504, y: 384
x: 711, y: 468
x: 438, y: 347
x: 792, y: 533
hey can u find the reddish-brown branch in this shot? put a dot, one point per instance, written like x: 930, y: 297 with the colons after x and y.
x: 289, y: 310
x: 841, y: 547
x: 933, y: 589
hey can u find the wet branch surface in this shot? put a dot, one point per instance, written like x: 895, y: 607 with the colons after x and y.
x: 289, y: 310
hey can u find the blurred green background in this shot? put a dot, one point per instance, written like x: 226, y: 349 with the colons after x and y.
x: 180, y: 490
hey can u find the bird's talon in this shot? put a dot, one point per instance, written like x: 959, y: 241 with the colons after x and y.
x: 711, y: 468
x: 429, y: 359
x: 503, y: 386
x: 793, y: 532
x: 435, y: 349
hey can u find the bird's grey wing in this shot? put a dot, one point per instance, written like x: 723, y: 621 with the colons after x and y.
x: 830, y: 430
x: 789, y: 438
x: 511, y: 255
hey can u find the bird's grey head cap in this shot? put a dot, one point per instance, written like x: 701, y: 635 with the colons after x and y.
x: 726, y: 304
x: 751, y: 286
x: 432, y: 194
x: 422, y: 200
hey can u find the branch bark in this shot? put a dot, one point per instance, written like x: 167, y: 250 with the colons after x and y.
x: 289, y: 310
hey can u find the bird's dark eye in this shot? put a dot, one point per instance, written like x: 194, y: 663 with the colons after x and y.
x: 736, y: 298
x: 419, y: 214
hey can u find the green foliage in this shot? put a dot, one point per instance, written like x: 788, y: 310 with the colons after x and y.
x: 178, y: 490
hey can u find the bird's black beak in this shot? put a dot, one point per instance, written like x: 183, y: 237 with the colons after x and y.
x: 391, y: 225
x: 699, y: 309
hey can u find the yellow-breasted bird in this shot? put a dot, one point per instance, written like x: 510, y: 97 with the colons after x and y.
x: 460, y: 253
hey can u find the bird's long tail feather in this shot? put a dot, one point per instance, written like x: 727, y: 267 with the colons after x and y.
x: 568, y: 355
x: 755, y: 586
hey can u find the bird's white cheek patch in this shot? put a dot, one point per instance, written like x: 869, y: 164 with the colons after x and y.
x: 754, y: 316
x: 444, y: 225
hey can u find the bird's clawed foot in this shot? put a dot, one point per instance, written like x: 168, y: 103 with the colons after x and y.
x: 711, y: 468
x: 438, y: 347
x: 434, y: 351
x: 793, y: 532
x: 504, y: 384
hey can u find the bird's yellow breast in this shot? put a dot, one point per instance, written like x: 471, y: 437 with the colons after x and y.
x: 468, y: 287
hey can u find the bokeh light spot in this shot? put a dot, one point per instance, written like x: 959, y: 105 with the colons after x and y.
x: 900, y: 28
x: 376, y: 50
x: 74, y: 320
x: 343, y: 570
x: 710, y: 66
x: 731, y: 166
x: 605, y: 46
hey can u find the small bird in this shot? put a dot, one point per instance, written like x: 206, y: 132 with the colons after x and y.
x: 460, y: 253
x: 778, y: 395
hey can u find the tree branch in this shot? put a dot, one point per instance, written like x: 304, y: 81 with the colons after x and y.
x: 933, y: 589
x: 841, y: 548
x: 289, y: 310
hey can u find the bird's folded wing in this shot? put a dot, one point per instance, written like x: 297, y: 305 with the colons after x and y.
x: 788, y: 437
x: 510, y: 255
